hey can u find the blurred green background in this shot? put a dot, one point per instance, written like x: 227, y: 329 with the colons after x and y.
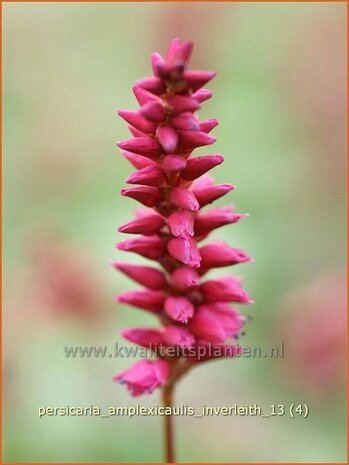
x: 280, y: 97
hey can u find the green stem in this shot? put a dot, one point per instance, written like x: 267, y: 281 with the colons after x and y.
x: 167, y: 400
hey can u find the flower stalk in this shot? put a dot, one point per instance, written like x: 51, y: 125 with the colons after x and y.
x: 167, y: 402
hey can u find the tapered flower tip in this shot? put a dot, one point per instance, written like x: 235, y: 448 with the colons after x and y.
x: 181, y: 223
x: 226, y: 289
x: 147, y: 300
x: 185, y: 250
x: 175, y: 336
x: 215, y: 218
x: 144, y: 376
x: 148, y: 176
x: 146, y: 225
x: 197, y: 79
x: 182, y: 103
x: 158, y: 64
x: 186, y: 121
x: 220, y: 254
x: 137, y: 120
x: 175, y: 63
x: 143, y: 96
x: 138, y: 161
x: 179, y: 309
x: 208, y: 125
x: 178, y: 52
x: 154, y: 111
x: 202, y: 94
x: 216, y: 322
x: 173, y: 163
x: 198, y: 166
x: 146, y: 146
x: 184, y: 278
x: 168, y: 138
x: 210, y: 193
x: 144, y: 337
x: 144, y: 275
x: 146, y: 195
x: 183, y: 198
x: 150, y: 246
x: 152, y: 84
x: 191, y: 139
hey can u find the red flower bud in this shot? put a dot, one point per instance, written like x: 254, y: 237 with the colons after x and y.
x: 147, y: 225
x: 183, y: 198
x: 185, y: 278
x: 198, y: 166
x: 147, y: 300
x: 179, y: 309
x: 149, y: 176
x: 146, y: 146
x: 144, y: 275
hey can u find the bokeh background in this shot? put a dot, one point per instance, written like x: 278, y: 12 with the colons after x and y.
x: 280, y: 97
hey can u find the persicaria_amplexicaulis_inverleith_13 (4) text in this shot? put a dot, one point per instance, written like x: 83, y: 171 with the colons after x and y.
x: 172, y: 185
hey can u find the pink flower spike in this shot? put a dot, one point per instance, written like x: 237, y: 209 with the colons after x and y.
x: 146, y: 146
x: 184, y: 278
x: 190, y: 140
x: 176, y: 336
x: 146, y: 225
x: 147, y: 300
x: 226, y: 289
x: 179, y: 308
x: 183, y: 198
x: 185, y: 250
x: 208, y: 125
x: 151, y: 247
x: 202, y: 95
x: 181, y: 224
x: 144, y: 275
x: 154, y: 111
x: 209, y: 194
x: 172, y: 163
x: 149, y: 176
x: 168, y: 138
x: 144, y: 376
x: 181, y: 103
x: 173, y: 185
x: 138, y: 161
x: 144, y: 337
x: 135, y: 119
x: 148, y: 196
x: 198, y: 166
x: 219, y: 254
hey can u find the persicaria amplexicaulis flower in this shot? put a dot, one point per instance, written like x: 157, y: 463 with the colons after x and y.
x: 193, y: 311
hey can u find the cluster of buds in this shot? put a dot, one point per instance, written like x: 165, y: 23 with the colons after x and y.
x: 174, y: 188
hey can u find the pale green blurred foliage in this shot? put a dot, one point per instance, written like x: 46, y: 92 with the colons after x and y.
x: 279, y: 96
